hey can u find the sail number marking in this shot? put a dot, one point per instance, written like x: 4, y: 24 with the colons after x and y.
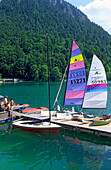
x: 76, y: 81
x: 75, y: 74
x: 98, y: 81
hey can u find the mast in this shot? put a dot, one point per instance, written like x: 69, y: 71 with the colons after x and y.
x: 67, y: 78
x: 48, y: 78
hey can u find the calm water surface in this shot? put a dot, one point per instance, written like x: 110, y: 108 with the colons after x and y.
x: 65, y: 150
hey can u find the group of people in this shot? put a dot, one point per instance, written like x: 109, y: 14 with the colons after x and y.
x: 6, y: 105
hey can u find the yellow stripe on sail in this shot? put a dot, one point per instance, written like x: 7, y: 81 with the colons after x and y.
x: 76, y: 59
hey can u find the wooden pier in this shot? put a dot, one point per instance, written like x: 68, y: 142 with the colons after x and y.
x: 75, y: 126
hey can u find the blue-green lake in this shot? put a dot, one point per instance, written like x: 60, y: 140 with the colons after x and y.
x: 65, y: 150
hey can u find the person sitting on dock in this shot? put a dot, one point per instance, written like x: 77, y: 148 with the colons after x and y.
x: 11, y: 104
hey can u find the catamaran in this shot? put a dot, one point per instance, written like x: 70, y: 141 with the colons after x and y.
x: 96, y: 90
x: 76, y: 84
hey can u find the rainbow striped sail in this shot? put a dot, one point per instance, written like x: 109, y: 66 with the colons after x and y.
x: 96, y: 91
x: 76, y: 81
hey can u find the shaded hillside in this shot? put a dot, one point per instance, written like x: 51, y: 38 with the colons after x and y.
x: 24, y: 24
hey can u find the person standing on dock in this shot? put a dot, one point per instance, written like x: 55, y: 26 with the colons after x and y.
x: 5, y: 101
x: 7, y: 108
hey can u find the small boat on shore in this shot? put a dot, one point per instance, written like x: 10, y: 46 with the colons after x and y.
x: 104, y: 120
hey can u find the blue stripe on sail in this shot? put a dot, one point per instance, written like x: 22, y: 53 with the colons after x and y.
x: 76, y: 80
x: 77, y: 101
x: 75, y: 87
x: 75, y: 52
x: 96, y: 90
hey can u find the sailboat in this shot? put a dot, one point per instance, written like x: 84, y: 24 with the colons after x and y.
x: 96, y: 91
x: 76, y: 82
x: 44, y: 125
x: 75, y: 87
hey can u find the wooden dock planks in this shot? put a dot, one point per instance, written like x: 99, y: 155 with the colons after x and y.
x: 68, y: 124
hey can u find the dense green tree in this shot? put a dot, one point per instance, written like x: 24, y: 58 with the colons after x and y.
x: 55, y: 74
x: 0, y: 77
x: 23, y: 45
x: 44, y: 72
x: 36, y: 75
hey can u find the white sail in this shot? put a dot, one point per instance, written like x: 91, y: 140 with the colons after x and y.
x: 96, y: 91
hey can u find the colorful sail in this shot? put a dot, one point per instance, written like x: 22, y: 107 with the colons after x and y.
x: 76, y: 81
x: 96, y: 91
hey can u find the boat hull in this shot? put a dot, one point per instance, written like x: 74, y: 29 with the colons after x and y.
x: 42, y: 128
x: 34, y: 110
x: 19, y: 107
x: 101, y: 121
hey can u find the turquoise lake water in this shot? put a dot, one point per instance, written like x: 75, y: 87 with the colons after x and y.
x: 65, y: 150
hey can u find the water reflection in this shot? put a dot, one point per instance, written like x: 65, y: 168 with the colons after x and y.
x: 74, y: 152
x: 88, y: 152
x: 65, y: 150
x: 93, y: 155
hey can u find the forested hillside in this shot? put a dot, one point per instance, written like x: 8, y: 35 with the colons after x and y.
x: 23, y: 28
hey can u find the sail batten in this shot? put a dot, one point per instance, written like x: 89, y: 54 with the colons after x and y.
x: 76, y: 81
x: 96, y: 91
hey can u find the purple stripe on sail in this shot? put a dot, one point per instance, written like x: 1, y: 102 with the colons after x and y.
x: 97, y: 88
x: 75, y: 52
x: 73, y: 101
x: 96, y: 85
x: 77, y: 65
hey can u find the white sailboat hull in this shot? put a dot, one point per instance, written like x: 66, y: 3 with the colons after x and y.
x: 44, y: 127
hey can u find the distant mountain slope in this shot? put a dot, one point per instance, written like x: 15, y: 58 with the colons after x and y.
x: 69, y: 9
x: 24, y: 24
